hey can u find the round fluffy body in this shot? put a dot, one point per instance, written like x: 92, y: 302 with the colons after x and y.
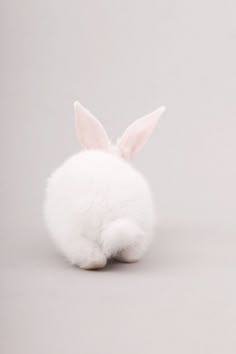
x: 99, y: 207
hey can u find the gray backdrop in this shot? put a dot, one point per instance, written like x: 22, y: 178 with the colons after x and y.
x: 121, y: 59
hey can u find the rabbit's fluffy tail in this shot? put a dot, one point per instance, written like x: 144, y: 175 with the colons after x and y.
x: 119, y: 235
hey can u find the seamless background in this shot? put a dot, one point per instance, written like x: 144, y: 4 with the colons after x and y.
x: 121, y: 59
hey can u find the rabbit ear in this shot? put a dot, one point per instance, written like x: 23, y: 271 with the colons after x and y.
x: 137, y: 134
x: 90, y: 131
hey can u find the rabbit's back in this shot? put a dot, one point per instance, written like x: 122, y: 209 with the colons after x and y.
x: 92, y: 189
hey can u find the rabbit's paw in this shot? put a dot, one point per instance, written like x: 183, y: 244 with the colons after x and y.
x: 96, y: 260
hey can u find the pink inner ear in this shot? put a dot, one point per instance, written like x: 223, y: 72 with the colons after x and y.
x: 89, y: 130
x: 137, y: 134
x: 134, y: 142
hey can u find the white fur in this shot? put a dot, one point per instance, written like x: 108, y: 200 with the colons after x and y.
x: 99, y: 207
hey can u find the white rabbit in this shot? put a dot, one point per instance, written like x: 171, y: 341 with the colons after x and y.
x: 97, y: 205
